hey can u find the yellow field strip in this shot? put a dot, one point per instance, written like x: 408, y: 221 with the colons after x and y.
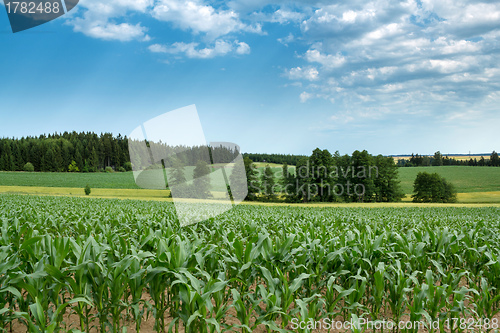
x: 79, y: 192
x: 473, y: 199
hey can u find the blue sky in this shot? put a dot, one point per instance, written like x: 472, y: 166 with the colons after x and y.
x: 392, y: 77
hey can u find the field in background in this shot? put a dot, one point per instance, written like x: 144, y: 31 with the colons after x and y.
x: 115, y: 180
x: 454, y: 157
x: 466, y: 179
x: 473, y: 199
x: 474, y: 184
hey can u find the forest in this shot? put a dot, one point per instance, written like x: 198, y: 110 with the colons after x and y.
x: 326, y: 177
x: 438, y: 159
x: 89, y: 152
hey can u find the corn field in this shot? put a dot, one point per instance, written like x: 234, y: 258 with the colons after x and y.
x: 87, y: 265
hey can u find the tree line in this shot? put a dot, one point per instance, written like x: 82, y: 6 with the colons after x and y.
x: 90, y: 152
x: 85, y: 152
x: 275, y: 158
x: 439, y: 160
x: 323, y: 177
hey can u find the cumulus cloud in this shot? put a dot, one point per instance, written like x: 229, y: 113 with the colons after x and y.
x: 308, y: 73
x: 358, y: 53
x: 97, y: 19
x: 403, y: 56
x: 192, y: 50
x: 287, y: 40
x: 101, y: 19
x: 158, y: 48
x: 282, y: 16
x: 305, y: 96
x: 198, y: 17
x: 327, y: 60
x: 109, y: 31
x: 242, y: 48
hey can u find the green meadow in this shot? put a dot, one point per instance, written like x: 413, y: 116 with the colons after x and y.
x: 474, y: 184
x: 465, y: 178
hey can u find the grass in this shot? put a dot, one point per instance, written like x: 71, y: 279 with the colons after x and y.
x: 95, y: 193
x: 264, y: 164
x: 474, y: 184
x: 474, y: 199
x: 466, y: 179
x: 115, y: 180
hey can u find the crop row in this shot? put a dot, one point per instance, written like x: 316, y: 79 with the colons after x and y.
x: 113, y: 263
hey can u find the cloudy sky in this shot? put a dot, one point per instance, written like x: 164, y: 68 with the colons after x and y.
x: 392, y: 77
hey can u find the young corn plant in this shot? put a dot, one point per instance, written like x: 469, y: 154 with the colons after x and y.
x: 245, y: 306
x: 334, y: 294
x: 355, y: 299
x: 117, y: 284
x: 241, y: 261
x: 285, y: 293
x: 137, y: 284
x: 457, y: 308
x: 197, y: 309
x: 79, y: 283
x: 378, y: 291
x: 416, y: 307
x: 435, y: 299
x: 485, y: 299
x: 309, y: 310
x: 398, y: 288
x: 8, y: 293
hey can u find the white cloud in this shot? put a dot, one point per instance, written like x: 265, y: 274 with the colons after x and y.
x: 305, y: 96
x: 242, y: 48
x: 157, y: 48
x: 401, y: 57
x: 114, y: 8
x: 448, y: 66
x: 199, y: 18
x: 100, y: 19
x: 284, y: 16
x: 327, y: 60
x: 286, y: 40
x: 307, y: 73
x: 192, y: 50
x: 109, y: 31
x: 97, y: 15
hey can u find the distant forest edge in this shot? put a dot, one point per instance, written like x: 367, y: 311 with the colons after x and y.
x: 90, y: 152
x: 275, y: 158
x: 439, y: 160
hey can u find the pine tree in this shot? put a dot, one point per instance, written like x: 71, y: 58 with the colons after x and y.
x: 438, y: 159
x: 201, y: 180
x: 252, y: 179
x: 268, y: 183
x: 494, y: 159
x: 177, y: 175
x: 238, y: 180
x: 49, y: 160
x: 94, y: 161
